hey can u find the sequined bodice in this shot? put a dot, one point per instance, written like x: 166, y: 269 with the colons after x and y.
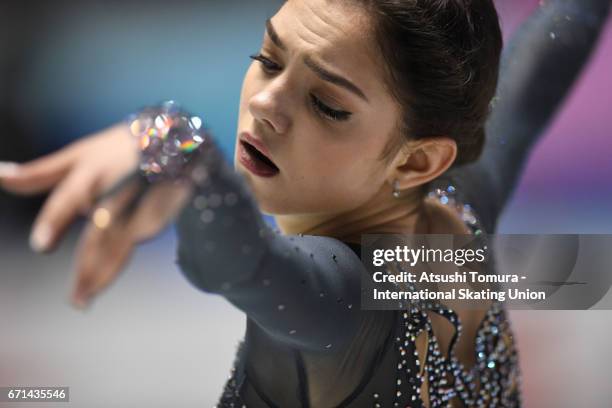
x: 401, y: 373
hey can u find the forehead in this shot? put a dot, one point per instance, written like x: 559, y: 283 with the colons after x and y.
x: 326, y: 20
x: 337, y: 32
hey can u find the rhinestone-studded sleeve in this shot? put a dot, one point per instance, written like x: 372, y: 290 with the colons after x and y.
x: 539, y: 67
x: 303, y: 290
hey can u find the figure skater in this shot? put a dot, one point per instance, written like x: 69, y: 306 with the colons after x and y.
x: 355, y: 118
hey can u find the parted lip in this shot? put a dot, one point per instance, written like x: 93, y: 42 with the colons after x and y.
x: 255, y: 142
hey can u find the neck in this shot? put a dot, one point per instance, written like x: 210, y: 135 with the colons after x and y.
x: 382, y: 214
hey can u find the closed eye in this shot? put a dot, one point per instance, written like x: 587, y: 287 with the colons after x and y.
x: 333, y: 114
x: 267, y: 64
x: 270, y: 67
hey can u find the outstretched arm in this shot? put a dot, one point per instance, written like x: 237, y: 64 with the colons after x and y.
x: 302, y: 290
x: 539, y: 66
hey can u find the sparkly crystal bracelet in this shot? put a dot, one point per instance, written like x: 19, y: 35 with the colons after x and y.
x: 168, y: 138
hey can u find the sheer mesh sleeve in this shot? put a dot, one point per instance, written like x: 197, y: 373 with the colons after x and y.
x: 539, y: 67
x: 303, y: 290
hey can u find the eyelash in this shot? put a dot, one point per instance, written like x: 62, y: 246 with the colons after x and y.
x: 330, y: 113
x: 267, y: 64
x: 270, y: 67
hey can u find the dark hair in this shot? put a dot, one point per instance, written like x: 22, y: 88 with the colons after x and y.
x: 442, y: 61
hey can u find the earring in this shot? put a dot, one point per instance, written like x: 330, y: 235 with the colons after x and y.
x: 396, y: 190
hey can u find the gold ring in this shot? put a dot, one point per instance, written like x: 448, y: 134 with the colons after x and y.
x: 101, y: 218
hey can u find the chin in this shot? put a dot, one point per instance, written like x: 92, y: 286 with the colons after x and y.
x: 267, y: 205
x: 272, y: 205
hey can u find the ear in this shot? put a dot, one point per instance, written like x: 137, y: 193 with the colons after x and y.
x: 422, y: 161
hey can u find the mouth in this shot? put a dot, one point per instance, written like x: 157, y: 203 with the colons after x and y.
x: 255, y: 161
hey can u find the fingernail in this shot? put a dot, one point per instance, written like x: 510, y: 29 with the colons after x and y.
x: 8, y: 169
x: 79, y: 302
x: 40, y: 238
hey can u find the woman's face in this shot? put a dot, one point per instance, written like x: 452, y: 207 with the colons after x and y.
x: 315, y: 97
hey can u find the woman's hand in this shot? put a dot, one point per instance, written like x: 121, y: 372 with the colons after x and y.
x: 78, y: 175
x: 116, y: 226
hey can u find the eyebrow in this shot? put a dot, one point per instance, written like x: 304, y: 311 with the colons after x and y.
x: 321, y: 72
x: 274, y: 35
x: 333, y: 78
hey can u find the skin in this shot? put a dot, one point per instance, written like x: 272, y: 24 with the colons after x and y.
x: 332, y: 181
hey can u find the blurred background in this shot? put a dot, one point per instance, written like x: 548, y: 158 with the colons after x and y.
x: 69, y: 68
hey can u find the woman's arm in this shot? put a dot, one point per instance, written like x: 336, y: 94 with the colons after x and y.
x: 539, y: 66
x: 303, y: 290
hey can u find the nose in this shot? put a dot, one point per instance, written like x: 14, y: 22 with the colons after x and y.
x: 269, y: 107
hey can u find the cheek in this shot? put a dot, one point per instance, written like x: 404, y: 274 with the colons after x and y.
x: 248, y: 89
x: 336, y: 178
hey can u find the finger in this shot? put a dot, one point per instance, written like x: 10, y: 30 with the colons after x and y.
x: 160, y: 205
x: 101, y: 257
x: 72, y: 196
x: 105, y: 246
x: 38, y: 175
